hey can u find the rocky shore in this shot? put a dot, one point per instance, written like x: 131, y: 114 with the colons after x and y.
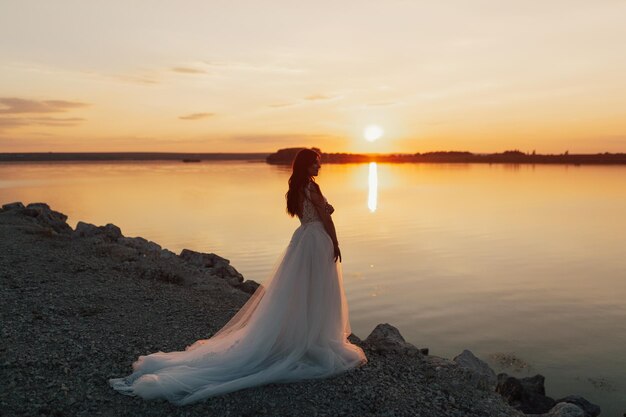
x: 80, y: 305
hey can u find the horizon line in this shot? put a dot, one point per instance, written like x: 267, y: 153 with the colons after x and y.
x: 271, y: 152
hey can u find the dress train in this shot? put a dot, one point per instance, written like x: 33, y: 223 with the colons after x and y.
x: 292, y: 328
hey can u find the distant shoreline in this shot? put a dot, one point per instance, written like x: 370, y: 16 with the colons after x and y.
x: 285, y: 156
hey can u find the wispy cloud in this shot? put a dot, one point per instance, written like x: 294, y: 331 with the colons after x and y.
x: 12, y: 122
x: 14, y: 105
x: 187, y: 70
x: 22, y: 112
x: 55, y: 121
x: 196, y: 116
x: 136, y: 79
x: 318, y: 96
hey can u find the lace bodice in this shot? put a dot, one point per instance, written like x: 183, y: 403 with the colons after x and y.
x: 309, y: 213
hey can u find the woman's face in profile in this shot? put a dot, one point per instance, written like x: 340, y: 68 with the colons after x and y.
x: 314, y: 169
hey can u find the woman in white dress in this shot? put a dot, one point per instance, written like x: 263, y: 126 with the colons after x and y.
x: 293, y: 327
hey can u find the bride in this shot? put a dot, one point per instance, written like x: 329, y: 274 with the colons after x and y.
x: 293, y: 327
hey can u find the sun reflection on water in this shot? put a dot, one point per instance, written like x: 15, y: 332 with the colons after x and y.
x: 372, y: 196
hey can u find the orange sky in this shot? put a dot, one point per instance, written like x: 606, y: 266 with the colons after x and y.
x: 235, y: 76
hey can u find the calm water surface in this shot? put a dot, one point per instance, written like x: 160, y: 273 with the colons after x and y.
x: 518, y: 261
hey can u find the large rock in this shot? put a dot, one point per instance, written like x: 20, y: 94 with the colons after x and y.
x: 109, y: 233
x: 483, y: 374
x: 168, y: 254
x: 526, y: 394
x: 385, y: 338
x: 228, y: 273
x: 46, y: 217
x: 207, y: 260
x: 590, y: 409
x: 562, y: 410
x: 13, y: 206
x: 216, y: 265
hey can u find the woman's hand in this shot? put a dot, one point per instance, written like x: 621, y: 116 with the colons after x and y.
x: 337, y: 253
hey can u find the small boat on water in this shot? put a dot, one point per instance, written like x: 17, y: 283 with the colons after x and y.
x: 191, y: 160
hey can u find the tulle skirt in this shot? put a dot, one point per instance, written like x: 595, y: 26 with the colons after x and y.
x: 293, y: 327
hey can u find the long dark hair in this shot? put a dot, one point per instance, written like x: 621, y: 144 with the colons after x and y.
x: 299, y: 178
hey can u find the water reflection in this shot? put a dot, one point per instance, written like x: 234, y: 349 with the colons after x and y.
x: 372, y: 196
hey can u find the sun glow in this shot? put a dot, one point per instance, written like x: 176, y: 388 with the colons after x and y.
x: 373, y: 133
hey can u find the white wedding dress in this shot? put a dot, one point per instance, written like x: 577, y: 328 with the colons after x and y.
x: 293, y: 327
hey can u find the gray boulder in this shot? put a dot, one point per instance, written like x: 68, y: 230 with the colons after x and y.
x: 526, y: 394
x: 86, y: 230
x: 109, y: 233
x: 562, y: 410
x: 46, y: 217
x: 13, y: 206
x: 483, y: 374
x: 207, y: 260
x: 590, y: 409
x: 228, y: 273
x: 385, y: 338
x: 216, y: 266
x: 168, y: 254
x: 112, y: 231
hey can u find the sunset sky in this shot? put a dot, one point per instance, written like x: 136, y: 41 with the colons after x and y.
x: 246, y: 76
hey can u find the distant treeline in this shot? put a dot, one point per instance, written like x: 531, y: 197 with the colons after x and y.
x: 129, y: 156
x: 285, y: 156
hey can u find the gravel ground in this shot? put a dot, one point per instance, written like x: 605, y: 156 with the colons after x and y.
x: 74, y: 316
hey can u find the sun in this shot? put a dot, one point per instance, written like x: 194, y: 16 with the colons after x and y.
x: 373, y: 133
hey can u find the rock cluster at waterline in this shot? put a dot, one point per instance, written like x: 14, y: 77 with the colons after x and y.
x: 80, y: 305
x: 147, y: 259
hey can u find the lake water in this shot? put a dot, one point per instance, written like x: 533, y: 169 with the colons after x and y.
x: 521, y: 264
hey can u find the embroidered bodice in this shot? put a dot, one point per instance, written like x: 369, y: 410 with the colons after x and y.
x: 309, y: 213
